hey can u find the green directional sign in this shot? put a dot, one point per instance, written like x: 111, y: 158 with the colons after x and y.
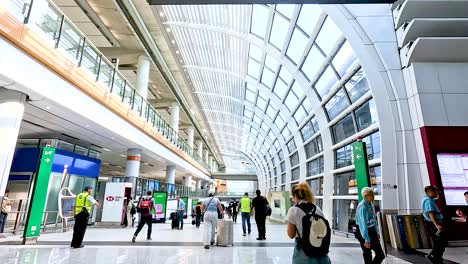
x: 361, y: 166
x: 39, y: 194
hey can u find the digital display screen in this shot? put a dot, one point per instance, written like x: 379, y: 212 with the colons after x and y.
x: 454, y: 174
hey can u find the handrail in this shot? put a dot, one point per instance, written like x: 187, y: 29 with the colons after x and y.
x: 69, y: 39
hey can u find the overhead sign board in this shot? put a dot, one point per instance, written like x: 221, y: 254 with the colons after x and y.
x: 246, y: 2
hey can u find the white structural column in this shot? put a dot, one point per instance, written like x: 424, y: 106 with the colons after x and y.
x: 11, y: 114
x: 210, y: 162
x: 191, y: 136
x: 188, y: 180
x: 143, y: 72
x: 170, y: 174
x: 175, y: 116
x: 200, y: 149
x: 198, y: 187
x: 132, y: 168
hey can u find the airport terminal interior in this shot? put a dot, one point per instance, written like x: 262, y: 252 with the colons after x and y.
x: 192, y: 98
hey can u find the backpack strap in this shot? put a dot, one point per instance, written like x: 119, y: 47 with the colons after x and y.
x: 307, y: 207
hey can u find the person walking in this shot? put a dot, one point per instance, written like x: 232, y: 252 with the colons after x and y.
x: 144, y: 207
x: 433, y: 222
x: 83, y: 203
x: 198, y: 214
x: 366, y: 230
x: 303, y: 197
x: 5, y: 209
x: 234, y: 212
x: 210, y: 207
x: 245, y: 209
x: 132, y: 209
x: 259, y: 207
x: 180, y: 211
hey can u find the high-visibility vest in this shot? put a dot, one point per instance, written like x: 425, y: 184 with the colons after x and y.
x: 245, y: 205
x: 81, y: 201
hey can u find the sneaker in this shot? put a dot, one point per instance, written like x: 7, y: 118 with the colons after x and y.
x: 249, y: 232
x: 212, y: 243
x: 244, y: 234
x: 259, y: 238
x: 133, y: 239
x: 207, y: 247
x: 149, y: 239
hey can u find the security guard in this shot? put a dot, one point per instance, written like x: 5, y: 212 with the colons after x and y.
x: 83, y: 203
x: 245, y: 209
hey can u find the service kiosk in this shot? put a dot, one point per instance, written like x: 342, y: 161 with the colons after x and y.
x: 115, y: 201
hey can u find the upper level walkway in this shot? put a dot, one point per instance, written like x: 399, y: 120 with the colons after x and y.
x: 113, y: 245
x: 52, y: 62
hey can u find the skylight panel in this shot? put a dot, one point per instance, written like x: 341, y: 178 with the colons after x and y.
x: 326, y: 81
x: 286, y: 9
x: 312, y: 63
x: 268, y: 77
x: 259, y: 20
x: 328, y: 36
x: 297, y: 45
x: 344, y: 59
x: 255, y: 52
x: 253, y: 68
x: 279, y: 31
x: 308, y: 17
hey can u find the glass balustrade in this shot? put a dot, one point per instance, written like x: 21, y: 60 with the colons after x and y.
x: 50, y: 23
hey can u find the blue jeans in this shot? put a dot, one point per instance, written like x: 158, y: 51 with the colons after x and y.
x: 299, y: 257
x: 181, y: 218
x: 197, y: 220
x: 3, y: 218
x: 246, y: 218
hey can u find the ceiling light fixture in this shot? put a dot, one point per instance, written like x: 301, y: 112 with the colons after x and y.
x: 181, y: 61
x: 122, y: 155
x: 47, y: 107
x: 161, y: 14
x: 106, y: 149
x: 168, y: 29
x: 177, y: 52
x: 173, y: 41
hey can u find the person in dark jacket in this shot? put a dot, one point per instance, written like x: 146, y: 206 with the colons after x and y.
x: 259, y: 206
x: 198, y: 214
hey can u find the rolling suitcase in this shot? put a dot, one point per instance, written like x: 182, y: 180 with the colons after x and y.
x: 174, y: 221
x: 225, y: 233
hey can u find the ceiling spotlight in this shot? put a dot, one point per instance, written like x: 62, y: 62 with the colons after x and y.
x: 47, y: 107
x: 173, y: 41
x: 106, y: 149
x: 168, y: 29
x: 87, y: 125
x: 122, y: 155
x: 177, y: 52
x: 181, y: 61
x: 161, y: 14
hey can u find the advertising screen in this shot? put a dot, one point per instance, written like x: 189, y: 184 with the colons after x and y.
x: 160, y: 201
x: 454, y: 175
x: 185, y: 199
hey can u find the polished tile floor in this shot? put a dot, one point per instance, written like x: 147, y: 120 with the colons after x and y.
x: 112, y: 245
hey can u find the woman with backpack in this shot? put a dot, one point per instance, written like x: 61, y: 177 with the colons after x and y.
x: 308, y: 226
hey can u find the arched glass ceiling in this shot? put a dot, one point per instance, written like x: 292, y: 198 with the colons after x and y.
x: 259, y: 72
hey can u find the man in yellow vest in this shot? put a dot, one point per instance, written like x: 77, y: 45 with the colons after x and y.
x: 83, y: 203
x: 245, y: 208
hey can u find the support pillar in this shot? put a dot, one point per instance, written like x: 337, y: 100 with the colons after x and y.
x: 191, y: 135
x: 210, y: 163
x: 206, y: 157
x: 188, y: 181
x: 132, y: 169
x: 198, y: 187
x: 143, y: 72
x: 170, y: 174
x: 175, y: 116
x: 200, y: 149
x: 11, y: 114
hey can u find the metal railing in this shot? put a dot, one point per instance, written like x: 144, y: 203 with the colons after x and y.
x: 57, y: 29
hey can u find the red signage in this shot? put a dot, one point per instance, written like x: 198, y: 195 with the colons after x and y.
x: 110, y: 198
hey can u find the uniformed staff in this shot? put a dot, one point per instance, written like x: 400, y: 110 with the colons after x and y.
x: 83, y: 203
x: 245, y: 209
